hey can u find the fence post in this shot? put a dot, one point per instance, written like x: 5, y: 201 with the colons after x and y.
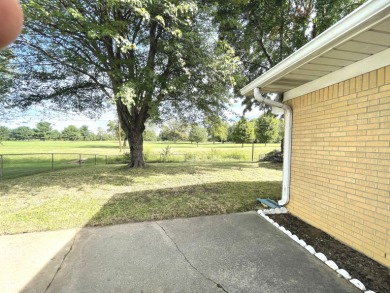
x: 80, y: 160
x: 52, y: 162
x: 106, y: 159
x: 253, y: 149
x: 1, y: 167
x: 95, y: 160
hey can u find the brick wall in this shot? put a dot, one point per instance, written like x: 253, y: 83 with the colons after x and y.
x: 340, y: 168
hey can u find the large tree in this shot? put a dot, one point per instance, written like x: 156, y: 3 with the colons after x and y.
x: 6, y: 76
x: 197, y: 134
x: 22, y: 133
x: 149, y: 58
x: 4, y: 133
x: 85, y: 133
x: 243, y: 131
x: 71, y: 132
x: 267, y: 128
x: 174, y: 130
x: 43, y: 130
x: 217, y: 129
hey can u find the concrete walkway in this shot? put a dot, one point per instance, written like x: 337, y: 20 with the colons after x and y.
x: 227, y: 253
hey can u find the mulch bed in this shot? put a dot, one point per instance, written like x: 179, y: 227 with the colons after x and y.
x: 373, y: 275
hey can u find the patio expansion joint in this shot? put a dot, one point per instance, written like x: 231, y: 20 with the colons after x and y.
x: 62, y: 262
x: 189, y: 262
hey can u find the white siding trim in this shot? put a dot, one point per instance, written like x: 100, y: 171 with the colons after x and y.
x: 371, y: 63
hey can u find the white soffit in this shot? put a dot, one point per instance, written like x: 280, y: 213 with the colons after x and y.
x: 363, y: 66
x: 333, y: 55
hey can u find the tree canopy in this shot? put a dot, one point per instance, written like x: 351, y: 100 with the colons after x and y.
x: 174, y: 130
x: 217, y: 129
x: 4, y: 133
x: 149, y: 58
x: 263, y: 33
x: 267, y: 128
x: 197, y: 134
x: 243, y: 131
x: 22, y: 133
x: 43, y: 130
x: 71, y: 132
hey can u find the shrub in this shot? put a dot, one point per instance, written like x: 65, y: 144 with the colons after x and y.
x: 165, y: 153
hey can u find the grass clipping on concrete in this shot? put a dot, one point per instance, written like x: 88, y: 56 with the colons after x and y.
x: 105, y: 195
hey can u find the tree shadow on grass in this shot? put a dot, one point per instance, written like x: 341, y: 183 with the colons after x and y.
x: 152, y: 169
x: 273, y: 166
x: 117, y: 175
x: 185, y: 201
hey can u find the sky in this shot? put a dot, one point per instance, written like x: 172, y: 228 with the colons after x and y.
x: 60, y: 121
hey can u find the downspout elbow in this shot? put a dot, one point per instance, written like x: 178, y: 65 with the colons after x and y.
x: 259, y: 97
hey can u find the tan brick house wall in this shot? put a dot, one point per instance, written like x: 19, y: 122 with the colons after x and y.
x: 340, y: 168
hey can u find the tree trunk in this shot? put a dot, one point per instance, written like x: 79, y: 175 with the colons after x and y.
x: 119, y: 135
x: 133, y: 125
x: 282, y: 145
x: 136, y: 144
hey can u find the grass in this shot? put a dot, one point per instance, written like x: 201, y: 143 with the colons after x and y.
x: 113, y: 194
x: 18, y: 157
x: 112, y: 148
x: 36, y: 146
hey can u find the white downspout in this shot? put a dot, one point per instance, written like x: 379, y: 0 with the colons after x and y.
x: 287, y: 143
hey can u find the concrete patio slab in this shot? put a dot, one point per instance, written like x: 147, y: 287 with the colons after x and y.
x: 23, y: 256
x: 227, y: 253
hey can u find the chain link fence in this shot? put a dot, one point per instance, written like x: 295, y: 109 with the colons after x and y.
x: 17, y: 165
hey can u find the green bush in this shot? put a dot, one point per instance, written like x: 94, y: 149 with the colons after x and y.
x: 165, y: 153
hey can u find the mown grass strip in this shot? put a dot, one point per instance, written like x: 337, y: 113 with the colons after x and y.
x: 110, y: 194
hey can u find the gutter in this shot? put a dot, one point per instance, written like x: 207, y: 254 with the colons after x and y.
x: 287, y: 142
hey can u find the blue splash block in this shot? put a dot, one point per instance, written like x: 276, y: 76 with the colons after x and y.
x: 269, y: 203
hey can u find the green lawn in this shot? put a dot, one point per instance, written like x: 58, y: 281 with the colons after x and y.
x: 111, y: 194
x: 112, y: 147
x: 36, y: 146
x: 20, y: 158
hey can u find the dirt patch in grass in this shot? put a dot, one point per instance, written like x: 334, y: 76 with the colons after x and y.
x: 373, y: 275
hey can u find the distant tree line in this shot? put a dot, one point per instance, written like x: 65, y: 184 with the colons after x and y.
x: 44, y: 131
x: 265, y: 129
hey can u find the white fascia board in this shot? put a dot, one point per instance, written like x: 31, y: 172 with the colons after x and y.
x: 358, y: 21
x: 366, y: 65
